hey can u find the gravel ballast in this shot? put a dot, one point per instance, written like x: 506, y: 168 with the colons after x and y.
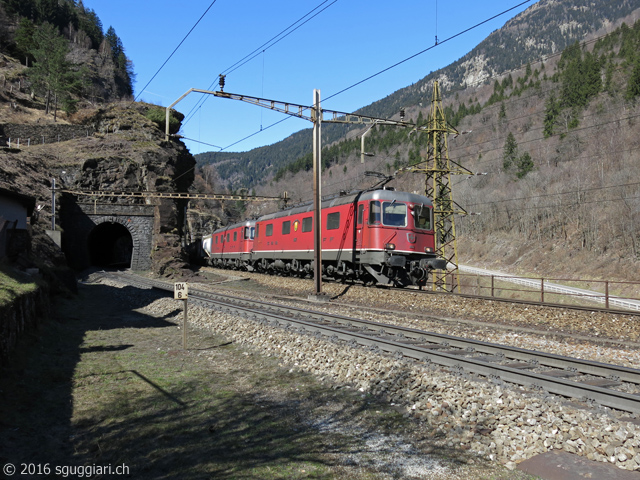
x: 503, y: 422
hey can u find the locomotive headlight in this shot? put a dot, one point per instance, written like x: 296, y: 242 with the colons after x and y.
x: 428, y: 250
x: 390, y: 246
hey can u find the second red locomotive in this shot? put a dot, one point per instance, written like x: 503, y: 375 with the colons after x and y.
x: 380, y: 236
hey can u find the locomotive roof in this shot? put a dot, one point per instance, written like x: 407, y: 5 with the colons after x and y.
x: 245, y: 223
x: 383, y: 195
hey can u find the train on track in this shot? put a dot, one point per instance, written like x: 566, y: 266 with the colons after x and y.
x: 379, y: 236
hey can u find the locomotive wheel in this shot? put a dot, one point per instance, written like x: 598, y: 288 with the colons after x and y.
x: 295, y: 268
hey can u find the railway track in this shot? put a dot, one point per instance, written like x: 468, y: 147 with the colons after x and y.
x: 630, y: 307
x: 608, y: 385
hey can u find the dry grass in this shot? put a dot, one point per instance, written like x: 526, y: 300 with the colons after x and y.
x: 14, y: 283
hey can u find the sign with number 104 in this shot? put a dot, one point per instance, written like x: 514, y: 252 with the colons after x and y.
x: 180, y: 290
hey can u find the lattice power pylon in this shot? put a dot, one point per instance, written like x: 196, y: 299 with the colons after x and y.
x: 438, y: 170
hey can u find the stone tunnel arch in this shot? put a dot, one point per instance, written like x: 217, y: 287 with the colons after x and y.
x: 110, y: 244
x: 108, y: 235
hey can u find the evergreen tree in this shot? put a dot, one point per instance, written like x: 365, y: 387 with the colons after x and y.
x: 89, y: 22
x: 633, y: 86
x: 51, y: 72
x: 510, y: 152
x: 525, y: 165
x: 124, y: 66
x: 502, y: 113
x: 551, y: 112
x: 115, y: 43
x: 581, y: 79
x: 528, y: 72
x: 25, y: 39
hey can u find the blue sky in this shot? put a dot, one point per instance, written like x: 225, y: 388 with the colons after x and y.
x: 343, y: 44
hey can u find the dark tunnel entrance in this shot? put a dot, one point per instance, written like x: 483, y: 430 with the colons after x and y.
x: 110, y: 245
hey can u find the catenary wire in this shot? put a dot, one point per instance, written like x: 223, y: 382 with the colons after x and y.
x: 261, y: 49
x: 401, y: 62
x: 175, y: 50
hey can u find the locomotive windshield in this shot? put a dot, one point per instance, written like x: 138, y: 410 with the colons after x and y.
x: 422, y: 217
x: 394, y: 214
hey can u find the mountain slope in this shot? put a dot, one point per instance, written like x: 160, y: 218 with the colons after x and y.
x: 544, y: 29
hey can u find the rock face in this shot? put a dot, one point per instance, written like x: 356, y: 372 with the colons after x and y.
x: 124, y: 151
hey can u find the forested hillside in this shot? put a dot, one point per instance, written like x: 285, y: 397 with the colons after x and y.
x: 67, y: 56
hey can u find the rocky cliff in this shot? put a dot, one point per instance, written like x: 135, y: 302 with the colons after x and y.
x: 119, y: 149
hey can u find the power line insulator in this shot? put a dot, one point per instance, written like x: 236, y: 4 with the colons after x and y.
x: 402, y: 114
x: 222, y: 77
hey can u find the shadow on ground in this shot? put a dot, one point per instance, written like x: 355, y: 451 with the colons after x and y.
x: 106, y: 382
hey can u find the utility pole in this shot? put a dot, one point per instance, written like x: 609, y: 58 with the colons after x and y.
x: 53, y: 203
x: 317, y: 193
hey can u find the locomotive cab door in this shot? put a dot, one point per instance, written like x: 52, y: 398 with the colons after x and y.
x: 359, y: 227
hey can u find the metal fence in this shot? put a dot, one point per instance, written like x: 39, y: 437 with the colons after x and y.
x: 609, y: 294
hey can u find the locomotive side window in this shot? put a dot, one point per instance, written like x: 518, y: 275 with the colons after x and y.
x: 269, y: 230
x: 422, y: 216
x: 228, y: 236
x: 307, y: 224
x: 374, y: 213
x: 216, y: 239
x: 257, y: 230
x: 235, y: 236
x: 333, y: 221
x: 254, y: 232
x: 286, y: 227
x: 360, y: 213
x: 394, y: 214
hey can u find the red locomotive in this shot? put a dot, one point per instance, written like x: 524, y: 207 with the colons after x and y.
x: 230, y: 247
x: 379, y: 236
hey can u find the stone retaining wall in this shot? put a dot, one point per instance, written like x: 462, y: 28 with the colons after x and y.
x: 20, y: 317
x: 33, y: 134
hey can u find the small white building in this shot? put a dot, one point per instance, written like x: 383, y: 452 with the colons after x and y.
x: 16, y: 210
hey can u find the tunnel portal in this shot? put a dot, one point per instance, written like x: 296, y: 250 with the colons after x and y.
x: 108, y: 235
x: 110, y: 245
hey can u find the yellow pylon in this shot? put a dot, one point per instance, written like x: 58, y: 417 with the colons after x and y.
x: 438, y: 170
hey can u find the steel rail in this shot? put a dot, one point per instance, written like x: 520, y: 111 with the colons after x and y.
x: 413, y: 343
x: 587, y: 367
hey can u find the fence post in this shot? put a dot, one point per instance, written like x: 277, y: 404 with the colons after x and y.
x: 492, y: 285
x: 542, y: 290
x: 606, y: 294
